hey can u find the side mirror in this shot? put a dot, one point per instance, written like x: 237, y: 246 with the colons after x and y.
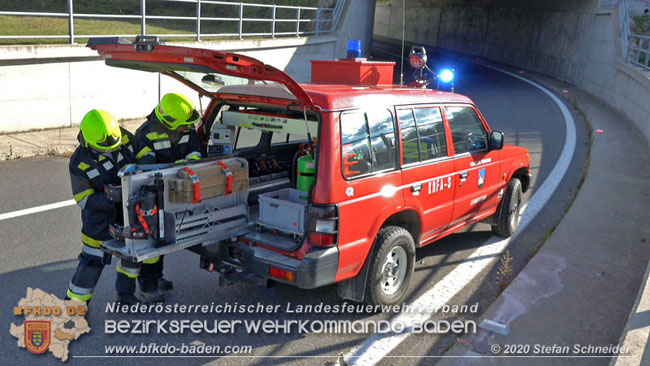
x: 496, y: 140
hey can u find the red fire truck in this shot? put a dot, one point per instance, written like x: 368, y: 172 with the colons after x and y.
x: 348, y: 174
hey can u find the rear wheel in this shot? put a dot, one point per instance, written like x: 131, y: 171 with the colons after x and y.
x: 391, y: 266
x: 509, y: 210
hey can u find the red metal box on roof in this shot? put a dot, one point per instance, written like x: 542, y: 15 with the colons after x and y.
x: 352, y: 71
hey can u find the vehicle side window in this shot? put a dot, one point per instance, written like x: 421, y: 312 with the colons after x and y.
x: 382, y: 139
x: 367, y: 142
x: 431, y: 133
x: 423, y: 134
x: 410, y: 153
x: 467, y: 130
x: 247, y: 138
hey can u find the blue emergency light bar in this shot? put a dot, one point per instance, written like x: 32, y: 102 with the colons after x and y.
x: 446, y: 75
x: 354, y: 49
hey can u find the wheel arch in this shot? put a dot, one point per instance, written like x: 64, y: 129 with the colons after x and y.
x: 523, y: 175
x: 409, y: 219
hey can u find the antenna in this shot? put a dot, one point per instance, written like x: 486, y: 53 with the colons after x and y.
x: 401, y: 64
x: 201, y: 105
x: 311, y: 142
x: 203, y: 123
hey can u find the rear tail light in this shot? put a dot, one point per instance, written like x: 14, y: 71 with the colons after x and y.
x: 281, y: 274
x: 323, y: 240
x: 323, y: 224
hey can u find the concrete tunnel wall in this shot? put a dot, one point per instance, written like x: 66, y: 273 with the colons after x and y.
x: 576, y: 41
x: 51, y: 86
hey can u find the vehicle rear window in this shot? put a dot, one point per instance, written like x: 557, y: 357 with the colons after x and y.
x: 423, y: 134
x: 367, y: 142
x: 467, y: 130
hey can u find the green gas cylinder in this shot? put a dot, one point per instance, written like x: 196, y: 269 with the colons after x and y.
x: 306, y: 173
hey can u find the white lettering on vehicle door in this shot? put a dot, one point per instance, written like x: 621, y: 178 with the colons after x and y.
x: 438, y: 185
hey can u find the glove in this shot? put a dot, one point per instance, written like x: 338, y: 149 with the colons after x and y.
x: 113, y: 193
x: 106, y: 259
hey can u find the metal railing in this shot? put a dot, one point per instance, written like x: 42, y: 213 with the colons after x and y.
x: 636, y: 46
x: 639, y: 51
x: 325, y: 20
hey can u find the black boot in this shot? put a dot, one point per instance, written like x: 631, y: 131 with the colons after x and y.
x: 151, y: 297
x: 164, y: 284
x: 127, y: 299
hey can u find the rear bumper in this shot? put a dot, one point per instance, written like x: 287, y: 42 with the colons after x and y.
x: 318, y: 267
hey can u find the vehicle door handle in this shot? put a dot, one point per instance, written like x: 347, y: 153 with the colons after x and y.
x: 463, y: 175
x: 416, y: 187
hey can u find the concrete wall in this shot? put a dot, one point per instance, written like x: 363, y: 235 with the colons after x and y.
x: 577, y: 41
x: 49, y: 86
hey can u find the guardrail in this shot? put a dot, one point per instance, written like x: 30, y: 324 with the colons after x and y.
x: 639, y: 51
x: 325, y: 20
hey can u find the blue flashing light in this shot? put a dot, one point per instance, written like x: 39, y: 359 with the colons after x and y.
x: 446, y: 75
x: 354, y: 49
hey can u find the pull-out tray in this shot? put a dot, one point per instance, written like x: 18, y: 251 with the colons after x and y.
x: 207, y: 220
x: 281, y: 242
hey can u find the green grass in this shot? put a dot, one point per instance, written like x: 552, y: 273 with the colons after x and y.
x: 22, y: 25
x: 11, y: 25
x: 641, y: 24
x: 14, y: 25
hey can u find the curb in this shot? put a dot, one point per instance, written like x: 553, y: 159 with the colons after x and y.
x: 635, y: 336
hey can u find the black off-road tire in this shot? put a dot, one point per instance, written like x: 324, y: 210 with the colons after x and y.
x: 509, y: 210
x: 387, y: 239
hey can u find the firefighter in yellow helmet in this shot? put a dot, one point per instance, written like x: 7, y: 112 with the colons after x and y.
x: 104, y: 147
x: 167, y: 136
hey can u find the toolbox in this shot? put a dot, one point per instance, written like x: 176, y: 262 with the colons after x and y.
x: 283, y: 209
x: 207, y: 182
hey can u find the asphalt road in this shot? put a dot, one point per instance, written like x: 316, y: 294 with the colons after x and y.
x: 39, y: 250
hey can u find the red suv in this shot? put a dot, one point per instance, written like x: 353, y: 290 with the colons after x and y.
x: 389, y: 169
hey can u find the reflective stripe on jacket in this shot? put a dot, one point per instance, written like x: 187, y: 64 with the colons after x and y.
x: 157, y: 144
x: 89, y: 172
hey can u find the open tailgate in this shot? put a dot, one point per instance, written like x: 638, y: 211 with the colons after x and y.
x: 223, y: 75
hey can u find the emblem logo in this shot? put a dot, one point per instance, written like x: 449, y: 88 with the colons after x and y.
x: 37, y: 335
x: 349, y: 191
x: 481, y: 177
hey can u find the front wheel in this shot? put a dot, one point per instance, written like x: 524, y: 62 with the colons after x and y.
x: 391, y: 266
x: 509, y: 210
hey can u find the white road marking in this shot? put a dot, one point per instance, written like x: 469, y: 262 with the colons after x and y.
x: 377, y: 346
x: 60, y: 266
x: 29, y: 211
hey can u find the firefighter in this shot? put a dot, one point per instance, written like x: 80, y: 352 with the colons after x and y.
x: 167, y: 136
x: 104, y: 147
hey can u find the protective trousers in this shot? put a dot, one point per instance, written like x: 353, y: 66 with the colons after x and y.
x: 89, y: 269
x: 150, y: 273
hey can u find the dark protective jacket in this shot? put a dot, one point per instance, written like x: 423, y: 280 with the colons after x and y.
x: 89, y: 172
x: 159, y: 145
